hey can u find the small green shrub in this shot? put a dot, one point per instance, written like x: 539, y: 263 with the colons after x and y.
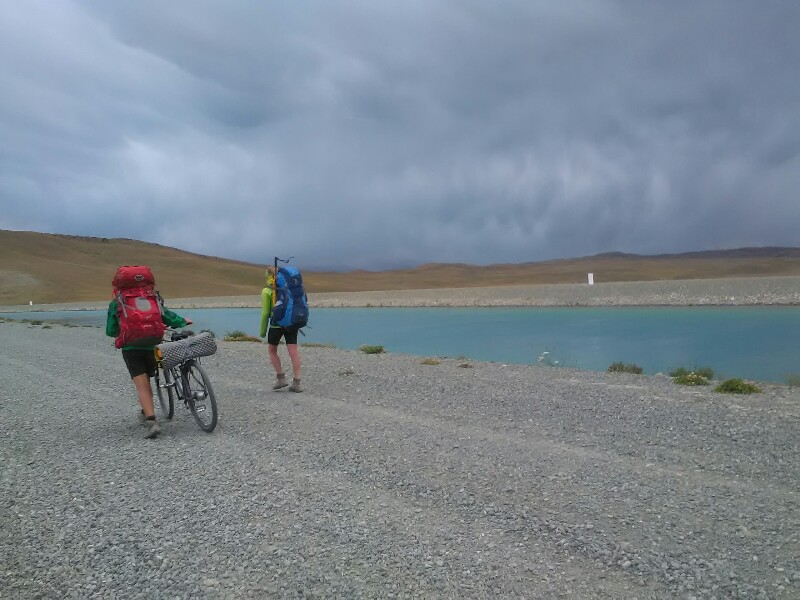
x: 240, y: 336
x: 793, y: 380
x: 737, y: 386
x: 430, y: 361
x: 372, y: 349
x: 47, y: 326
x: 465, y: 365
x: 690, y: 378
x: 705, y: 372
x: 35, y: 322
x: 619, y: 367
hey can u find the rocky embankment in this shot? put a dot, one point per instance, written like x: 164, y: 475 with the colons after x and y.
x: 706, y: 292
x: 750, y: 291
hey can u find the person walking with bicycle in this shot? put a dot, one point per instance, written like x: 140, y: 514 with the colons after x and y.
x: 276, y: 332
x: 137, y: 318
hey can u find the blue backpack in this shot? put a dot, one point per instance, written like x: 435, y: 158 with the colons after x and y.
x: 291, y: 302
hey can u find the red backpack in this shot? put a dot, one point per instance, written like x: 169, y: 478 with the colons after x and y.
x: 138, y: 307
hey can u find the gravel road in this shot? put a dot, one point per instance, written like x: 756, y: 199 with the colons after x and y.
x: 390, y: 478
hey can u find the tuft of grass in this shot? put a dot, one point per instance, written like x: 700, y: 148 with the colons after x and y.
x: 317, y: 345
x: 366, y: 349
x: 793, y: 380
x: 430, y: 361
x: 465, y: 365
x: 619, y: 367
x: 706, y: 372
x: 47, y: 326
x: 737, y: 386
x: 240, y: 336
x: 690, y: 378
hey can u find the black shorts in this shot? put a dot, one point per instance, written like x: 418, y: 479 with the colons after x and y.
x: 275, y: 334
x: 140, y: 362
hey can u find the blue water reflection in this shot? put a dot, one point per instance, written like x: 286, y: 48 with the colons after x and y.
x: 761, y: 343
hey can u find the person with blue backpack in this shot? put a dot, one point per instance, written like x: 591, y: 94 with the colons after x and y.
x: 284, y: 311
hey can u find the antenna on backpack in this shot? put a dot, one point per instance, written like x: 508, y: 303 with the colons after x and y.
x: 275, y: 266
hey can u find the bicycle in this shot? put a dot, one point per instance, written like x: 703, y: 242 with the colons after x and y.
x: 185, y: 379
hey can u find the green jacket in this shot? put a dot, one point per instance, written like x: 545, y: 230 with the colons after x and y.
x: 169, y: 318
x: 266, y: 309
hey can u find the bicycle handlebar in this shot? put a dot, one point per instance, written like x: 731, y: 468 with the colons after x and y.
x: 178, y: 335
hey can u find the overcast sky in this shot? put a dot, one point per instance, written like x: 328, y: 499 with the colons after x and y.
x: 377, y: 134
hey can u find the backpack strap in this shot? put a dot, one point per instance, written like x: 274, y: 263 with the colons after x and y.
x: 160, y: 302
x: 121, y: 304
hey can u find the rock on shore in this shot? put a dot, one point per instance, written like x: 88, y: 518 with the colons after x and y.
x: 390, y: 478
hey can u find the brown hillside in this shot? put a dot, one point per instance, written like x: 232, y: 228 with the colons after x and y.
x: 49, y: 268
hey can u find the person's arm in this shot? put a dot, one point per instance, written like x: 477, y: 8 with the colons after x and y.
x: 112, y: 320
x: 174, y: 320
x: 266, y: 309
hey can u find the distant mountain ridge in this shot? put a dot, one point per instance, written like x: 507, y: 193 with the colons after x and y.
x: 54, y: 268
x: 756, y: 252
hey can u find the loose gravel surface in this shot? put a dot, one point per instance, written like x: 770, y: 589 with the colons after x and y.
x: 390, y: 478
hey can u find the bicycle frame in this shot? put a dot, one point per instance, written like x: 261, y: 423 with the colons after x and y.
x: 187, y: 381
x: 179, y: 379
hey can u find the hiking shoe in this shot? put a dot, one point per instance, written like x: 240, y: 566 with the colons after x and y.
x: 295, y: 387
x: 280, y: 382
x: 152, y: 429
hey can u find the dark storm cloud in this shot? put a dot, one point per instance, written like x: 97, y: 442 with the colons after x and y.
x: 378, y: 134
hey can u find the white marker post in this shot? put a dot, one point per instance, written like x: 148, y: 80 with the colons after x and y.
x: 591, y: 278
x: 31, y: 303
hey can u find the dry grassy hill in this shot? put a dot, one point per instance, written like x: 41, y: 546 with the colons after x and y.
x: 49, y: 268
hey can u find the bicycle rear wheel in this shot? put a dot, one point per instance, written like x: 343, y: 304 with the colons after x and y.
x: 200, y: 397
x: 166, y: 395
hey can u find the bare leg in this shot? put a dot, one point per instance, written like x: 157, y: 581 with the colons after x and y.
x: 294, y: 355
x: 275, y: 359
x: 145, y: 393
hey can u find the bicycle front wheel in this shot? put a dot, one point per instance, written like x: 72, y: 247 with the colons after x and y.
x: 200, y: 396
x: 165, y: 394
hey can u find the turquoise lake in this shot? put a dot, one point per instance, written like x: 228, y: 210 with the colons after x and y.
x: 759, y: 343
